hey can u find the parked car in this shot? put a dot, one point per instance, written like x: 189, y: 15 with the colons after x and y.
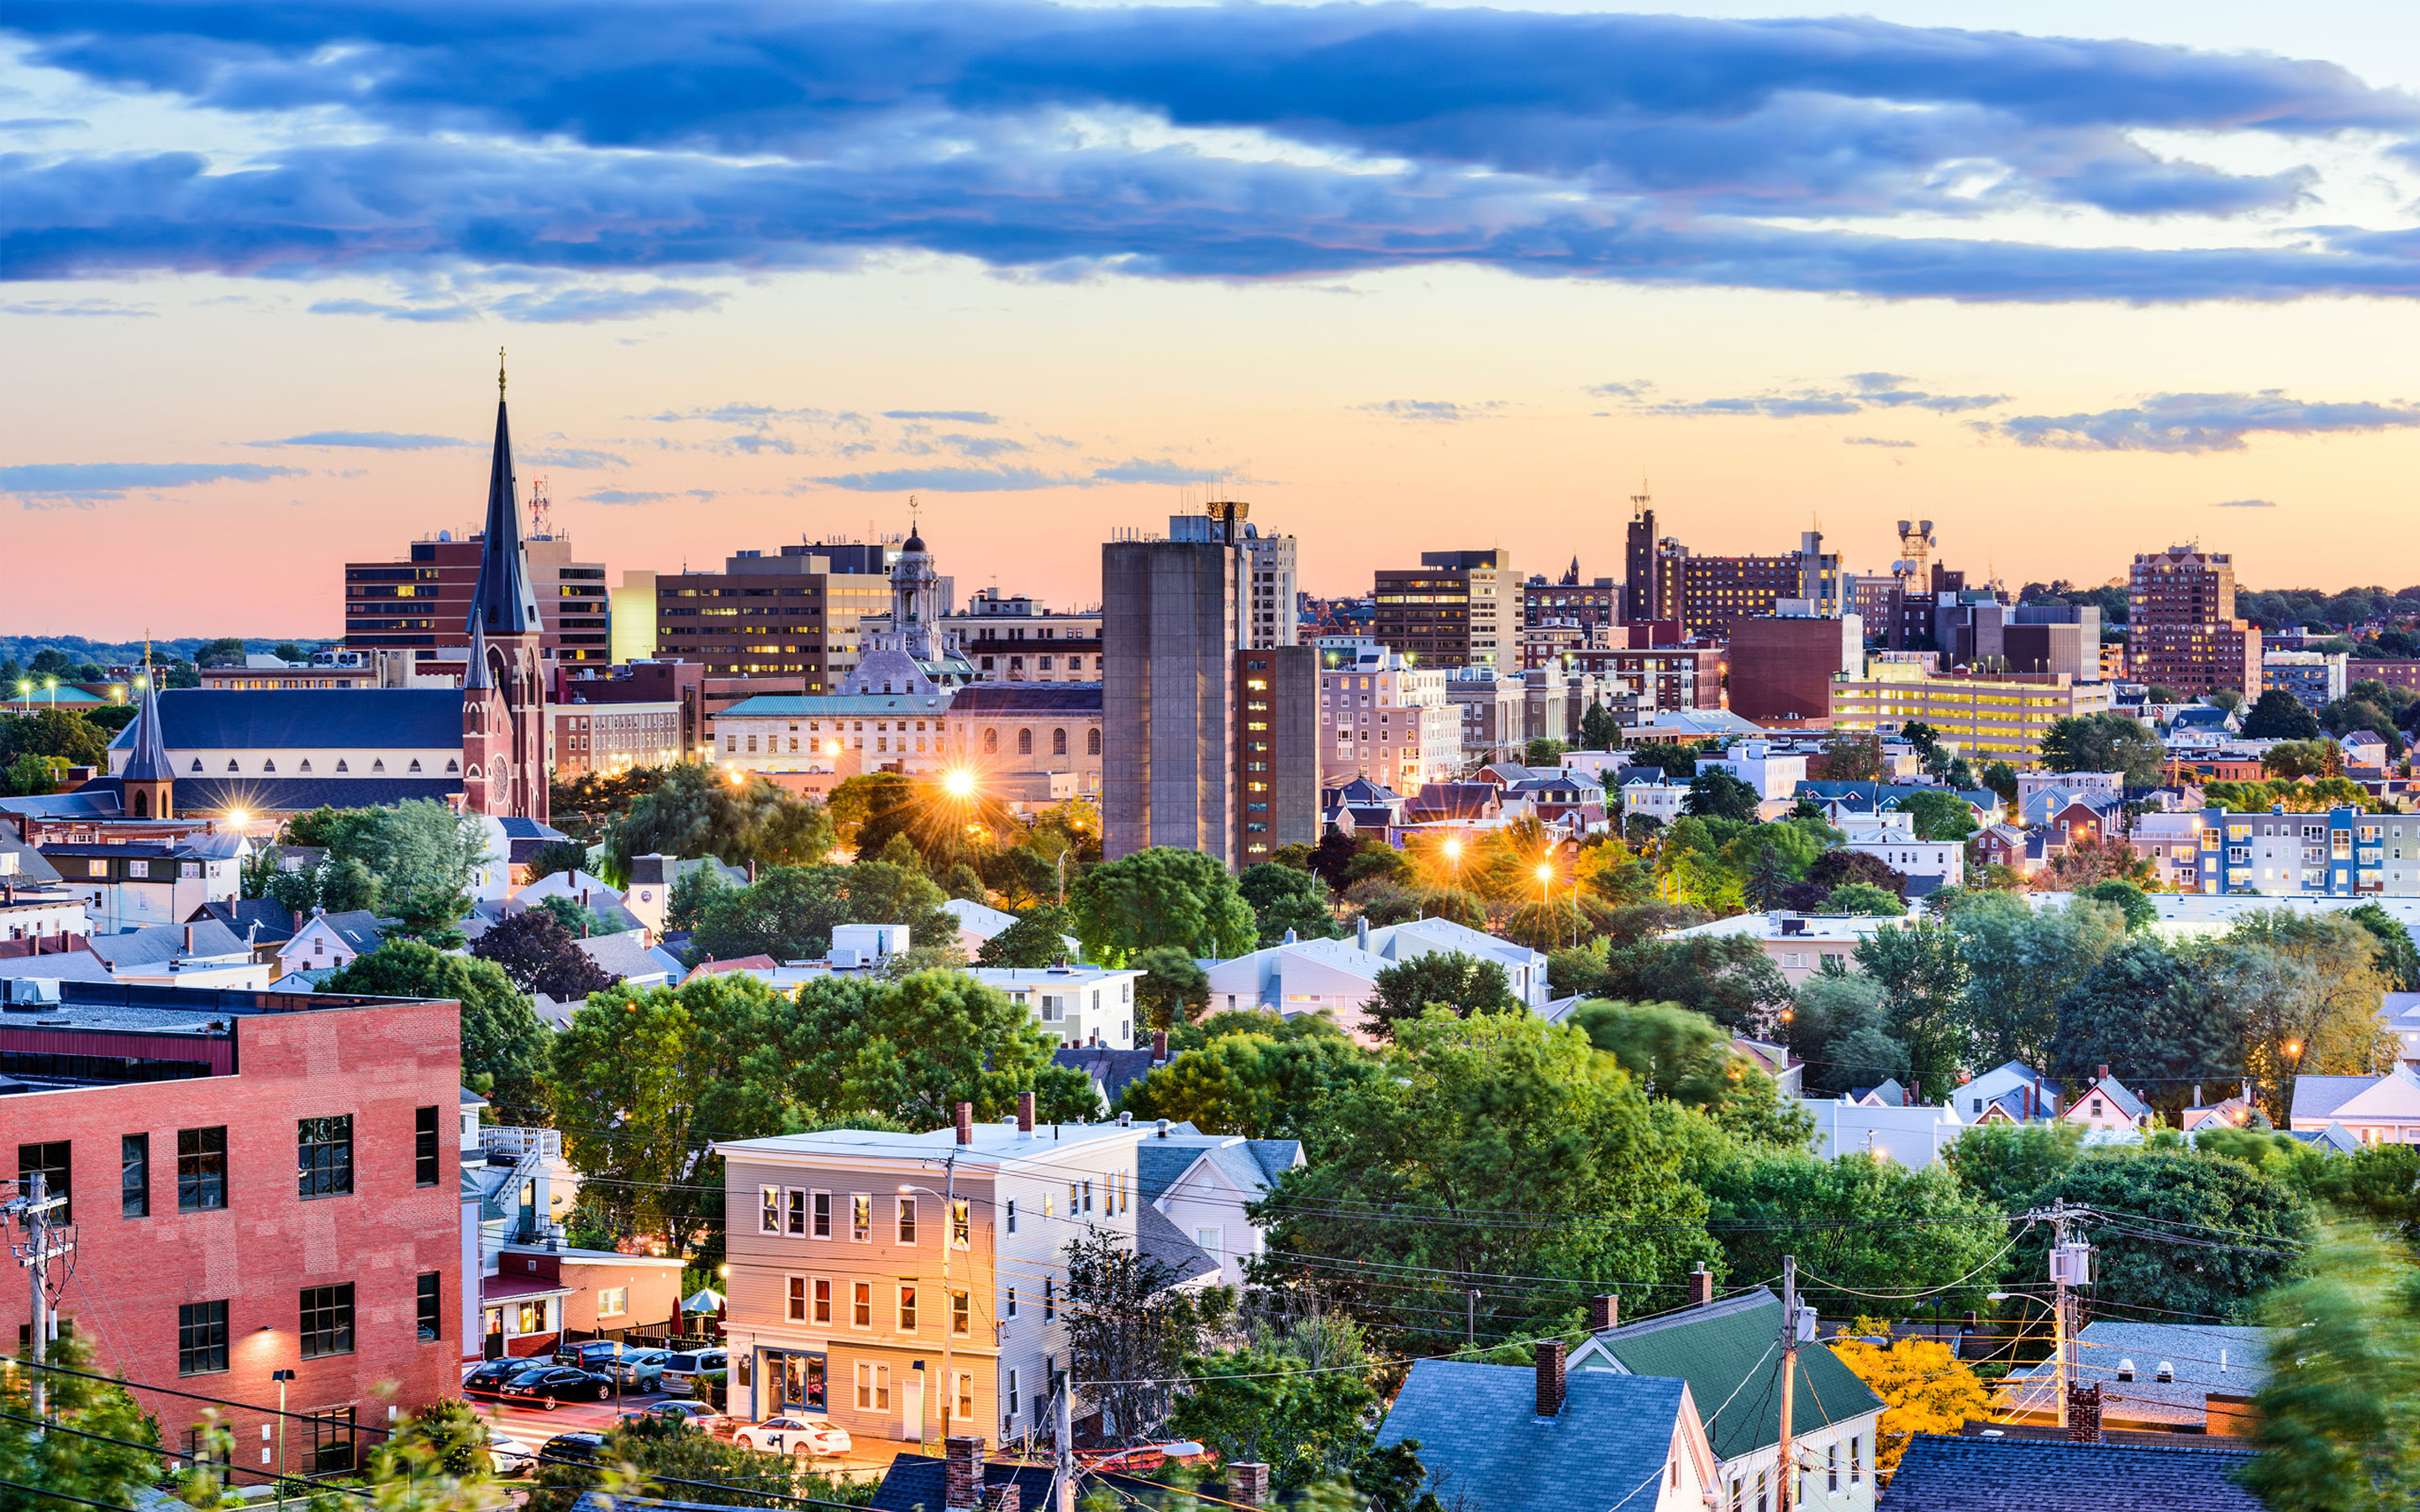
x: 682, y: 1370
x: 641, y: 1369
x: 801, y: 1436
x: 491, y: 1380
x: 689, y: 1414
x: 589, y: 1354
x: 585, y: 1447
x: 558, y: 1384
x: 510, y: 1455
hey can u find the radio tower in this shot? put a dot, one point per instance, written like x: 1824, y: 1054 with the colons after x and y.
x: 541, y: 511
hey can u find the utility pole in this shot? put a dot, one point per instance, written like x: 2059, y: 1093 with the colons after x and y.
x: 34, y: 1211
x: 1786, y: 1466
x: 1470, y: 1318
x: 1063, y: 1484
x: 2066, y: 1266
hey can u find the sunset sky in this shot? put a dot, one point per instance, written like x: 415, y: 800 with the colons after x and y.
x: 1404, y: 277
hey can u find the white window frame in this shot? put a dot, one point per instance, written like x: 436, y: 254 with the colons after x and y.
x: 903, y: 1308
x: 1010, y: 1311
x: 1012, y: 1404
x: 861, y: 1217
x: 962, y: 1313
x: 795, y: 1212
x: 819, y: 1300
x: 614, y: 1301
x: 962, y: 1223
x: 1011, y: 1215
x: 797, y: 1297
x: 819, y: 1214
x: 903, y: 1221
x: 861, y: 1304
x: 768, y: 1210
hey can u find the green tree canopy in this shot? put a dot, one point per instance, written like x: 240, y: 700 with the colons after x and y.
x: 1940, y: 815
x: 1288, y: 1396
x: 1727, y: 978
x: 2337, y: 1422
x: 1922, y: 975
x: 1037, y: 939
x: 2150, y: 1015
x: 695, y: 811
x: 1673, y: 1052
x: 2018, y: 960
x: 1718, y: 794
x: 504, y: 1042
x: 2012, y: 1166
x: 909, y: 1051
x: 540, y: 955
x: 789, y: 912
x: 1258, y: 1084
x: 1857, y: 1223
x: 1864, y: 898
x: 1462, y: 983
x: 1160, y: 896
x: 58, y: 733
x: 2277, y: 714
x: 2159, y: 1209
x: 2104, y: 742
x: 1173, y: 989
x: 1286, y: 898
x: 69, y: 1462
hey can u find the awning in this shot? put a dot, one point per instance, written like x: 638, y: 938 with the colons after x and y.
x: 497, y: 1289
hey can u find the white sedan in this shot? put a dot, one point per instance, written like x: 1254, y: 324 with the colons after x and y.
x: 801, y: 1436
x: 510, y: 1455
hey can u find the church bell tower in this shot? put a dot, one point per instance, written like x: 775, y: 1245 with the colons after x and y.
x: 507, y: 744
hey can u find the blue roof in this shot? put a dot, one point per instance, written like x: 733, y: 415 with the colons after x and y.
x: 1941, y: 1474
x: 1029, y: 697
x: 292, y: 795
x: 1481, y: 1436
x: 307, y: 718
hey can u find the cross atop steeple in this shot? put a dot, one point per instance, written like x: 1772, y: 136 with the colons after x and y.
x: 503, y: 604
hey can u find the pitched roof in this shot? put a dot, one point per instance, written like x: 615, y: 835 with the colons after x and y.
x: 1940, y: 1474
x: 305, y: 718
x: 2194, y: 1353
x: 503, y: 602
x: 2318, y: 1097
x: 166, y: 942
x: 262, y: 920
x: 147, y: 758
x: 2110, y: 1088
x: 355, y: 927
x: 1719, y: 1347
x: 916, y: 1482
x: 1160, y: 1239
x: 1481, y: 1437
x: 628, y: 954
x: 1110, y: 1070
x: 1028, y: 697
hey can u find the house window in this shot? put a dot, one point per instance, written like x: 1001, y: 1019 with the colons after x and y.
x: 797, y: 1299
x: 201, y: 1339
x: 906, y: 1308
x: 134, y: 1176
x: 531, y: 1319
x: 961, y: 1315
x: 861, y: 1304
x: 961, y: 1222
x: 966, y: 1396
x: 1857, y: 1459
x: 861, y: 1217
x: 1010, y: 1310
x: 1050, y: 1298
x: 822, y: 1294
x: 874, y: 1387
x: 797, y: 1210
x: 1011, y: 1215
x: 907, y: 1220
x: 201, y: 1169
x: 327, y: 1320
x: 1088, y: 1196
x: 820, y: 1205
x: 768, y: 1210
x: 1012, y: 1394
x: 1832, y: 1468
x: 611, y: 1302
x: 323, y: 1156
x: 432, y: 1314
x: 424, y: 1147
x: 50, y: 1161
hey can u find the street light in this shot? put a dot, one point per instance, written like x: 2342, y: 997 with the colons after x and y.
x: 949, y: 1301
x: 280, y: 1377
x: 958, y: 782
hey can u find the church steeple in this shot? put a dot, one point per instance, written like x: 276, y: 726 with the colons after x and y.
x: 504, y: 603
x: 147, y: 776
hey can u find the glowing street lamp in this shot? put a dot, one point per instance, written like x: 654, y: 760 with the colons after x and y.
x: 958, y: 782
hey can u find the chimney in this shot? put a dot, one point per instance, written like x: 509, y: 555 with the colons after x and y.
x: 297, y: 921
x: 2099, y: 1074
x: 1025, y: 1113
x: 1702, y: 1285
x: 1605, y: 1313
x: 1007, y: 1498
x: 1247, y: 1483
x: 751, y: 872
x: 2083, y: 1413
x: 1907, y: 1096
x: 188, y: 939
x: 1159, y: 1047
x: 2197, y: 1101
x: 966, y: 1123
x: 962, y: 1462
x: 1550, y: 1377
x: 1361, y: 931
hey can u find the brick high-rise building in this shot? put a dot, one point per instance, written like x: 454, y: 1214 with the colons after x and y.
x: 2182, y: 631
x: 794, y: 613
x: 1713, y: 591
x: 1456, y: 608
x: 1276, y: 748
x: 1782, y: 667
x: 1588, y: 605
x: 1643, y: 588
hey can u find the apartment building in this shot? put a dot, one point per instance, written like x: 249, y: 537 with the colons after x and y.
x: 2316, y: 678
x: 1709, y: 592
x: 1082, y: 1005
x: 2345, y: 852
x: 795, y: 613
x: 1782, y: 665
x: 1983, y: 716
x: 1456, y: 608
x: 257, y: 1183
x: 1586, y: 606
x: 1270, y: 618
x: 1383, y: 718
x: 1014, y: 639
x: 2181, y: 628
x: 421, y: 603
x: 1276, y: 750
x: 913, y: 1286
x: 611, y: 737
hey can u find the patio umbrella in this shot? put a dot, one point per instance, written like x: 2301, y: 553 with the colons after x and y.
x: 706, y: 1300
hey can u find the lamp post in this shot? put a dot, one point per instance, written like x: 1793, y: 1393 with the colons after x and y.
x: 949, y: 1301
x: 280, y: 1377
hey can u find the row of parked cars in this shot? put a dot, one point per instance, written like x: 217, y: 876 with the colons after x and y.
x: 593, y: 1371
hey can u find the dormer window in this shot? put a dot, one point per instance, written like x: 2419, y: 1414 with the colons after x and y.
x: 416, y: 764
x: 267, y: 767
x: 340, y: 765
x: 377, y: 766
x: 453, y: 768
x: 306, y: 767
x: 197, y: 766
x: 231, y: 765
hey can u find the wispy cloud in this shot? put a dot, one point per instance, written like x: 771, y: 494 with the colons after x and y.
x: 76, y: 308
x: 760, y: 416
x: 960, y: 417
x: 1140, y: 469
x: 375, y: 441
x: 623, y: 496
x: 1443, y: 410
x: 1863, y: 392
x: 584, y: 305
x: 425, y: 313
x: 2195, y: 423
x: 1875, y: 440
x: 1635, y: 388
x: 949, y: 480
x: 36, y: 484
x: 572, y: 459
x: 2245, y: 503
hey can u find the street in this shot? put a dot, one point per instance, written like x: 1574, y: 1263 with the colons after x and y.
x: 533, y: 1425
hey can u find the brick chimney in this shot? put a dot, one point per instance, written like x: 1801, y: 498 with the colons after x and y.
x: 2083, y: 1413
x: 188, y: 939
x: 1006, y: 1499
x: 1247, y: 1483
x: 1550, y: 1377
x: 1159, y: 1047
x: 962, y: 1462
x: 1702, y: 1285
x: 1025, y: 1113
x: 966, y: 1123
x: 1605, y: 1313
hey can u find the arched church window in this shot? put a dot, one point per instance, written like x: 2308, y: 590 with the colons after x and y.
x: 1025, y: 743
x: 991, y: 742
x: 306, y: 767
x: 198, y: 764
x: 1058, y: 741
x: 377, y: 766
x: 267, y: 767
x: 341, y: 768
x: 142, y: 804
x: 1092, y: 742
x: 231, y: 765
x: 452, y: 768
x: 474, y: 769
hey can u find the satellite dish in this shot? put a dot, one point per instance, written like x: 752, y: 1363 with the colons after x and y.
x: 446, y: 535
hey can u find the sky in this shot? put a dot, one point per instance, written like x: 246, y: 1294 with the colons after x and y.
x: 2072, y: 281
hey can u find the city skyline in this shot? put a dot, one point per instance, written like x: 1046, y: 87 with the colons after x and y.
x: 2098, y: 295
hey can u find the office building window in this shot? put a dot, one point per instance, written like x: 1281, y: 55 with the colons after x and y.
x: 50, y: 1160
x: 134, y: 1176
x: 332, y: 1441
x: 431, y: 1316
x: 425, y: 1166
x: 323, y: 1156
x: 201, y: 1169
x: 327, y: 1320
x: 201, y: 1339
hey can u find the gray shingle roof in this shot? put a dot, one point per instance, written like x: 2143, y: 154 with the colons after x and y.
x: 2318, y: 1097
x: 1160, y: 1239
x: 263, y: 920
x: 1028, y: 697
x: 1112, y: 1070
x: 2193, y: 1351
x: 166, y: 942
x: 1481, y: 1439
x: 356, y: 928
x: 1945, y: 1474
x: 627, y: 954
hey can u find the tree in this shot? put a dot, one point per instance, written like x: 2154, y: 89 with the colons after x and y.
x: 540, y: 955
x: 2009, y: 1165
x: 1173, y: 989
x: 652, y: 1463
x: 577, y: 920
x: 1718, y: 794
x: 1924, y: 1387
x: 1599, y: 728
x: 558, y: 855
x: 413, y: 860
x: 2337, y: 1422
x: 1855, y: 898
x: 1543, y: 750
x: 1160, y: 896
x: 909, y: 1051
x: 1672, y: 1051
x: 2104, y: 742
x: 504, y: 1042
x: 1130, y: 1329
x: 1263, y: 1085
x: 1287, y: 1396
x: 1836, y: 869
x: 30, y: 775
x: 1853, y: 758
x: 1037, y: 939
x: 1830, y: 1009
x: 1940, y: 815
x: 2153, y: 1016
x: 228, y: 651
x: 2092, y: 859
x: 57, y: 732
x: 1858, y: 1223
x: 2128, y: 898
x: 2018, y: 962
x: 2293, y: 758
x: 2306, y: 987
x: 789, y: 912
x: 2398, y: 960
x: 697, y: 811
x: 1923, y: 980
x: 1727, y: 978
x: 1474, y: 1119
x: 1285, y: 898
x: 1923, y: 737
x: 1462, y: 983
x: 2277, y: 714
x: 2145, y: 1201
x: 66, y: 1462
x: 2001, y: 778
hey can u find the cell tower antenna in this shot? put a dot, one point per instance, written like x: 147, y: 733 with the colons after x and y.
x: 541, y: 511
x: 1639, y: 500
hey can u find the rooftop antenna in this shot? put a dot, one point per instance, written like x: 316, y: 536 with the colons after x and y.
x: 1639, y: 500
x: 541, y: 511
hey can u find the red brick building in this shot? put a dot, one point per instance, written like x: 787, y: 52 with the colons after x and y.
x: 2181, y: 631
x: 257, y: 1181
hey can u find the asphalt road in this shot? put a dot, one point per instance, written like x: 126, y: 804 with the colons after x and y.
x: 533, y: 1425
